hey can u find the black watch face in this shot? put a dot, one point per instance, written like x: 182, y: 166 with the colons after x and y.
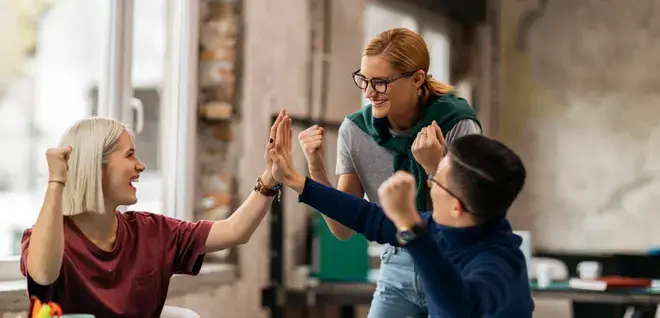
x: 406, y: 236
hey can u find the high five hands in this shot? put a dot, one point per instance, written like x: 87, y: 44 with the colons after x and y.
x: 397, y: 193
x: 267, y: 176
x: 281, y: 152
x: 282, y: 158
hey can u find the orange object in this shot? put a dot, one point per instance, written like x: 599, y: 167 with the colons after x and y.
x: 625, y: 282
x: 55, y: 309
x: 36, y: 307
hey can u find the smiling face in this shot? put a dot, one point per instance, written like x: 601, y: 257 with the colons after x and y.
x: 121, y: 171
x: 400, y: 58
x: 395, y: 93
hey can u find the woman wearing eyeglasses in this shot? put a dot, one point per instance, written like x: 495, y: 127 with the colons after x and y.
x: 410, y: 118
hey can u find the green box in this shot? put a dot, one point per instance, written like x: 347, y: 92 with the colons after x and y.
x: 336, y: 260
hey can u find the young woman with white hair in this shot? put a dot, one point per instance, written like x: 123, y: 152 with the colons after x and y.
x: 88, y: 258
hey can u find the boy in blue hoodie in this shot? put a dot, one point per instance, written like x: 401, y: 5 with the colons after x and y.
x: 467, y: 255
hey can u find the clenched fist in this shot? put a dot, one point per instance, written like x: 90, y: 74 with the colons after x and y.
x: 57, y: 159
x: 311, y: 141
x: 397, y: 196
x: 429, y: 147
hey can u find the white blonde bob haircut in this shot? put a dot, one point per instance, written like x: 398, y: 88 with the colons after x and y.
x: 92, y: 141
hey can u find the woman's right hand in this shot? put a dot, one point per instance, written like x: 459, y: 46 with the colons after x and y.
x: 58, y: 159
x: 311, y: 141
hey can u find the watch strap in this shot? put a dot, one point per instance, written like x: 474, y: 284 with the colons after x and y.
x: 406, y: 236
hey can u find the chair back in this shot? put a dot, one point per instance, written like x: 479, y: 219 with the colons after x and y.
x: 178, y: 312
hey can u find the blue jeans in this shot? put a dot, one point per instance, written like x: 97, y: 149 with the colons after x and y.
x: 398, y: 291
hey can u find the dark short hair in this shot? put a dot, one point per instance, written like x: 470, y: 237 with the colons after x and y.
x: 486, y: 175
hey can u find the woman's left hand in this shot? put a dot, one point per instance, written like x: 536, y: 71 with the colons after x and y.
x: 429, y: 147
x: 267, y: 177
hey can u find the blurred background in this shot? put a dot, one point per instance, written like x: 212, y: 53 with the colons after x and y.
x: 567, y: 84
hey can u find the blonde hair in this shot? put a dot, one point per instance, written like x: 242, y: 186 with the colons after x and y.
x: 407, y: 52
x: 92, y: 141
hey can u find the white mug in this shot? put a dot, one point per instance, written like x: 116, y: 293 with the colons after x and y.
x: 543, y: 275
x: 589, y: 270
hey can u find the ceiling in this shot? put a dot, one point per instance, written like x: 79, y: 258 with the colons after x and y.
x: 465, y: 11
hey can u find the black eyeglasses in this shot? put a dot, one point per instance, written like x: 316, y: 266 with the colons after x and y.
x: 378, y: 84
x: 431, y: 179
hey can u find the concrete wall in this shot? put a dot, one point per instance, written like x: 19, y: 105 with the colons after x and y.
x: 579, y: 102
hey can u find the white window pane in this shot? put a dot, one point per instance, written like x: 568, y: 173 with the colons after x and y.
x: 147, y: 31
x: 379, y: 18
x: 44, y: 88
x: 438, y: 45
x: 148, y: 69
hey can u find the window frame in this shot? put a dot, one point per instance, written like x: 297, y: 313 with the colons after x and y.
x: 178, y: 102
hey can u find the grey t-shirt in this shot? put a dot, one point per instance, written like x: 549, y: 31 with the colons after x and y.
x: 358, y: 153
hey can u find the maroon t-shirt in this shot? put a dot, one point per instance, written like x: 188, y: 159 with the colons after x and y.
x: 131, y: 280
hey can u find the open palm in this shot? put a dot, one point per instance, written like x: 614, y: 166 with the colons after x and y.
x: 281, y: 153
x: 273, y: 136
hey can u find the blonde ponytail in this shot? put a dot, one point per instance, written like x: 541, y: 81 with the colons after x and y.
x: 433, y: 86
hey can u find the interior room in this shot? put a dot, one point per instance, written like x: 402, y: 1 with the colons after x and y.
x: 566, y: 84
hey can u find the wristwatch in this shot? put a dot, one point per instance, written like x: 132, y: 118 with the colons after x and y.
x: 405, y: 236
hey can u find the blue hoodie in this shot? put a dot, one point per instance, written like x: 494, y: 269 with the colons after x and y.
x: 466, y: 272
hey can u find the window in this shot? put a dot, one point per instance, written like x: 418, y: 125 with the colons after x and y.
x: 379, y: 17
x: 147, y: 146
x: 67, y: 59
x: 438, y: 45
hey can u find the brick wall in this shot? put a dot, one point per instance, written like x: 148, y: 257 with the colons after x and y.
x: 218, y: 126
x: 218, y: 151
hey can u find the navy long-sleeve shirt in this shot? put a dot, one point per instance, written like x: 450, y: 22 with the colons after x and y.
x: 466, y: 272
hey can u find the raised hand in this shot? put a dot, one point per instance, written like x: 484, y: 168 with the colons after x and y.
x: 429, y: 147
x: 58, y: 159
x: 267, y: 177
x: 281, y: 154
x: 311, y: 141
x: 397, y: 196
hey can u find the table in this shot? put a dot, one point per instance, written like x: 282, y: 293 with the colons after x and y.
x: 635, y: 299
x: 636, y: 296
x: 348, y: 295
x: 340, y: 294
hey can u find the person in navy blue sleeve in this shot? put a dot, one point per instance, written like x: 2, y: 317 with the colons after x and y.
x: 469, y: 259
